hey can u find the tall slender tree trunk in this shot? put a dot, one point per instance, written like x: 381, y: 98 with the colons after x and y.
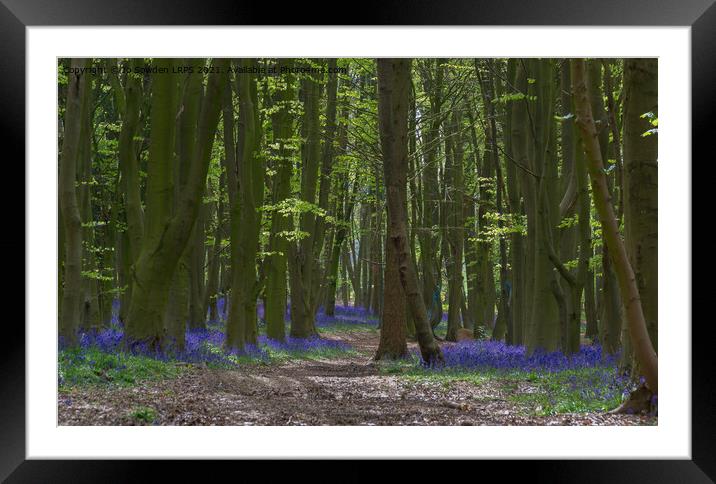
x: 341, y: 233
x: 180, y: 291
x: 520, y: 186
x: 231, y: 171
x: 360, y: 272
x: 610, y: 328
x: 276, y: 262
x: 130, y: 240
x: 542, y: 209
x: 163, y: 245
x: 640, y: 184
x: 393, y: 100
x: 327, y: 157
x: 429, y: 240
x: 89, y: 312
x: 345, y: 289
x: 71, y: 292
x: 242, y: 325
x: 197, y: 274
x: 415, y: 193
x: 212, y: 280
x: 301, y: 253
x: 455, y: 231
x: 569, y: 235
x: 643, y: 349
x: 488, y: 95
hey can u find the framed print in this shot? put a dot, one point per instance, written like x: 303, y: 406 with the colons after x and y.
x: 435, y: 237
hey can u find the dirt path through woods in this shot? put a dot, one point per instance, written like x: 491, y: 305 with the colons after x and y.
x: 350, y: 390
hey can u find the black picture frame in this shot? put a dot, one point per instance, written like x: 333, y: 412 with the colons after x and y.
x: 15, y: 15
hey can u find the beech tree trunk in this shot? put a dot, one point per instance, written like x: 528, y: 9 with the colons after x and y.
x: 610, y: 315
x: 71, y: 292
x: 242, y: 324
x: 518, y: 149
x: 393, y: 328
x: 276, y: 262
x: 643, y: 349
x: 301, y: 253
x: 162, y: 246
x: 640, y: 184
x: 320, y: 263
x: 180, y: 292
x: 544, y: 324
x: 393, y: 102
x: 455, y: 236
x: 429, y: 238
x: 212, y: 285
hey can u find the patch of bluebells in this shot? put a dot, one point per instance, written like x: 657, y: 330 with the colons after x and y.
x: 222, y: 307
x: 301, y: 345
x: 498, y: 355
x: 603, y: 383
x: 589, y: 373
x: 345, y: 315
x: 201, y: 346
x: 357, y: 312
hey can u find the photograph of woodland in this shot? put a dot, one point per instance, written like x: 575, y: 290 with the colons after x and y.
x: 357, y: 241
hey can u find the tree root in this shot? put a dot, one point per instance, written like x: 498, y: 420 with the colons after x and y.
x: 640, y: 401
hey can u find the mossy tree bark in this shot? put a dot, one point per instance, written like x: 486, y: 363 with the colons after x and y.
x: 518, y: 185
x: 275, y: 264
x: 192, y: 91
x: 231, y: 171
x: 129, y: 169
x: 72, y: 225
x: 165, y: 240
x: 197, y: 264
x: 543, y: 332
x: 242, y: 325
x: 393, y: 101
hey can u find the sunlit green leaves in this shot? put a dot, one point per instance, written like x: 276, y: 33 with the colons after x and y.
x: 512, y: 97
x: 567, y: 222
x: 97, y: 275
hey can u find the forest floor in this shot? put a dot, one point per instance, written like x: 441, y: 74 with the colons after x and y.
x: 341, y: 389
